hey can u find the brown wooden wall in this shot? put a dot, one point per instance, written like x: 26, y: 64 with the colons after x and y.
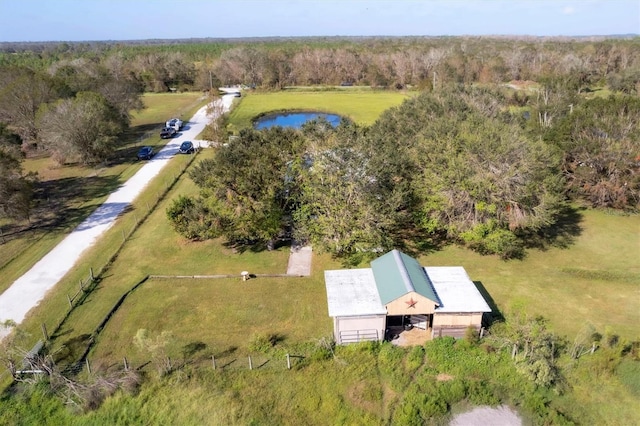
x: 399, y: 306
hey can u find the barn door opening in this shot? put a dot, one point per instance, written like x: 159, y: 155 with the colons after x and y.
x: 420, y: 321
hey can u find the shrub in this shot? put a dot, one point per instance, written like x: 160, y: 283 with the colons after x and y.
x: 481, y: 393
x: 262, y: 342
x: 414, y: 359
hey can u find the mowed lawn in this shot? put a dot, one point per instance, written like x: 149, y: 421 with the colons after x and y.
x: 595, y: 280
x: 362, y: 107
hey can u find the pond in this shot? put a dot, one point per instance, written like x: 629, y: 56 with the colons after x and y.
x: 293, y: 119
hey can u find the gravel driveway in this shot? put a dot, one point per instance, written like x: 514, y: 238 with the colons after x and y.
x: 28, y: 290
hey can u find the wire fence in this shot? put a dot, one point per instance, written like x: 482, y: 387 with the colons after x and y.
x: 220, y: 363
x: 87, y: 285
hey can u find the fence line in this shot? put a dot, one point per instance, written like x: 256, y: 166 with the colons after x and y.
x: 252, y: 362
x: 86, y: 287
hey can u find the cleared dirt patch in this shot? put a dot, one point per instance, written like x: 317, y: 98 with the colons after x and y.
x: 481, y: 416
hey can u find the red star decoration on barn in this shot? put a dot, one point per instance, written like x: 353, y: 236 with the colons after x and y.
x: 411, y: 303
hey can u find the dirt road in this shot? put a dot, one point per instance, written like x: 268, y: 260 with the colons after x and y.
x: 31, y: 288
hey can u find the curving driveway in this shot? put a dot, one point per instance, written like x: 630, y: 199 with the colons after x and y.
x: 28, y: 290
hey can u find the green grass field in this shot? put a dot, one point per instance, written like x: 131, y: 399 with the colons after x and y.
x: 362, y: 107
x: 595, y: 279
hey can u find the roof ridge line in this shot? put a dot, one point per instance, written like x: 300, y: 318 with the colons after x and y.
x: 408, y: 284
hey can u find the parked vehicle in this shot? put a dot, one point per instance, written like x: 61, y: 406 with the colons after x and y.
x: 168, y: 132
x: 145, y: 153
x: 187, y: 148
x: 175, y: 123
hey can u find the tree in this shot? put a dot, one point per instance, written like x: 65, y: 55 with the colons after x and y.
x: 83, y: 128
x: 22, y: 92
x: 601, y: 145
x: 16, y: 188
x: 111, y: 79
x: 534, y: 349
x: 478, y: 176
x: 247, y: 190
x: 353, y: 202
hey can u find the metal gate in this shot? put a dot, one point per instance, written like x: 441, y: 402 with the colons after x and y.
x: 419, y: 321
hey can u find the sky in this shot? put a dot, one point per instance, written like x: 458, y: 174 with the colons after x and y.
x: 89, y: 20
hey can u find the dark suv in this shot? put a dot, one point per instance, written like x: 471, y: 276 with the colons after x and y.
x: 145, y: 153
x: 167, y: 132
x: 187, y: 147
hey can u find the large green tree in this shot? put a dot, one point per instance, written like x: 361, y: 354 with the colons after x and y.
x: 354, y: 199
x: 478, y: 176
x: 247, y: 189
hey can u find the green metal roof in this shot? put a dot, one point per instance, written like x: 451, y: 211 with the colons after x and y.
x: 397, y: 274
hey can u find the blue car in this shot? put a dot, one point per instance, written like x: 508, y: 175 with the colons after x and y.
x: 145, y: 153
x: 187, y: 147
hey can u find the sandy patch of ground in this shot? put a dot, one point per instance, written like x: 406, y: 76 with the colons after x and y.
x: 300, y: 261
x: 482, y: 416
x: 444, y: 377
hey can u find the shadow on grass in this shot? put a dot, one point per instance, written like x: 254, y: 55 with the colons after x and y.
x: 190, y: 349
x: 495, y: 314
x: 57, y: 200
x: 562, y: 234
x: 70, y: 348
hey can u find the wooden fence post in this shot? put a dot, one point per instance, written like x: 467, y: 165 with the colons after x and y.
x: 69, y: 300
x: 250, y: 365
x: 88, y: 365
x: 91, y: 274
x: 123, y: 237
x: 213, y: 361
x: 288, y: 362
x: 126, y: 365
x: 45, y: 334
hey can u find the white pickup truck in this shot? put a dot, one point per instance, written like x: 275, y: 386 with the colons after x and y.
x: 175, y: 123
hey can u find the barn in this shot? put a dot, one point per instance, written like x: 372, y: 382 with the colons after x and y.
x: 397, y: 292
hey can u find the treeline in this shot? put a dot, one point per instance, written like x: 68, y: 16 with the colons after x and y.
x: 380, y: 62
x: 75, y: 111
x: 461, y: 164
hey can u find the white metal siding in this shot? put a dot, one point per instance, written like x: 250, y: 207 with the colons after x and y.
x: 359, y: 328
